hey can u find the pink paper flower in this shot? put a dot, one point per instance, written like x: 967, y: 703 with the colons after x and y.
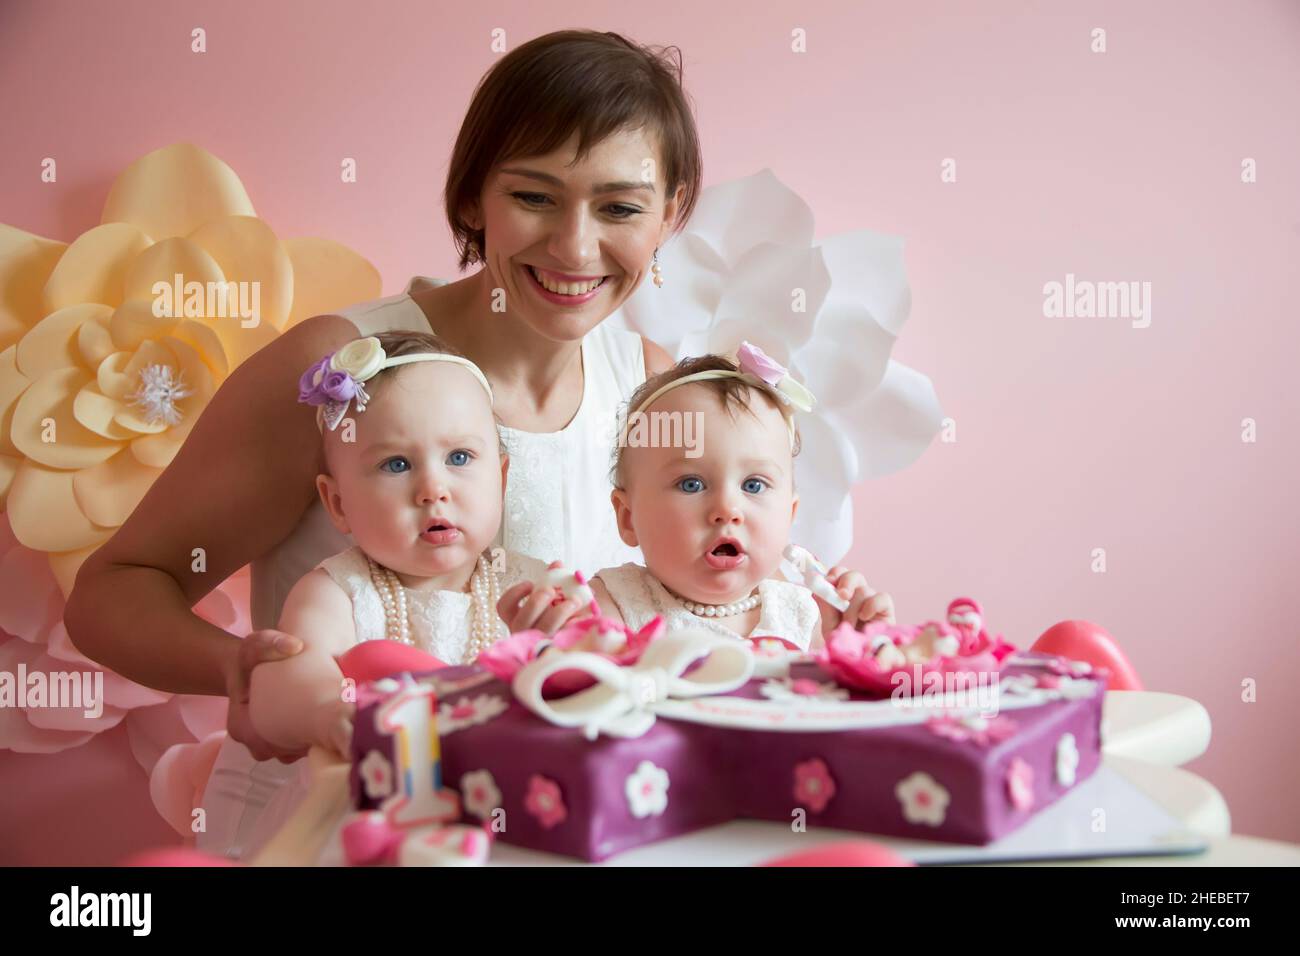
x: 813, y: 785
x: 1020, y: 784
x: 32, y: 634
x: 544, y: 802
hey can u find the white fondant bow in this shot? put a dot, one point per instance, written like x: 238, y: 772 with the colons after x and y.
x: 624, y: 700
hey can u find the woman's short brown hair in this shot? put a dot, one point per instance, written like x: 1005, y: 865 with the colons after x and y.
x: 539, y: 95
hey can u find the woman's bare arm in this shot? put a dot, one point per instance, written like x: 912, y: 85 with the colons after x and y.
x: 296, y: 703
x: 236, y: 488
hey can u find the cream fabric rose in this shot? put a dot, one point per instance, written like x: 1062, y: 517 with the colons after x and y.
x: 104, y: 369
x: 360, y: 359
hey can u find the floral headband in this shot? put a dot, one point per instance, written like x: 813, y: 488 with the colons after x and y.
x: 339, y: 377
x: 758, y: 369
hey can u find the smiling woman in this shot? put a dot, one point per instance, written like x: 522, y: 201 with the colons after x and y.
x: 577, y: 158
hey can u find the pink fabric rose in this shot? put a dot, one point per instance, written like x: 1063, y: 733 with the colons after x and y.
x: 758, y: 363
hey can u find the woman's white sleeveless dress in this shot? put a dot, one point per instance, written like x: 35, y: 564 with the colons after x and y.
x: 557, y: 507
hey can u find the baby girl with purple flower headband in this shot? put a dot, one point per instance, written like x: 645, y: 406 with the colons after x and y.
x: 339, y: 378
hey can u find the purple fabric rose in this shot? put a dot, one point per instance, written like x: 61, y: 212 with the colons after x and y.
x: 339, y: 386
x: 309, y: 388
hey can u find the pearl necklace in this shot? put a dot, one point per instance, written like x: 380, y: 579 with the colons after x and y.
x: 720, y: 610
x: 485, y: 589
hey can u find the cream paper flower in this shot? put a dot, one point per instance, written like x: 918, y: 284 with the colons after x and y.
x: 97, y: 393
x: 746, y: 267
x: 107, y: 358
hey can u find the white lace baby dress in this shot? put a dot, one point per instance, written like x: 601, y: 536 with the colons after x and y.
x: 440, y: 620
x: 246, y: 801
x: 789, y: 611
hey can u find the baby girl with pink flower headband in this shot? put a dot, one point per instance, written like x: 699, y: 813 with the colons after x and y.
x: 704, y: 484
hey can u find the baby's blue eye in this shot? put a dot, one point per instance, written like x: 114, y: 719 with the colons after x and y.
x: 690, y: 485
x: 459, y: 457
x: 400, y: 461
x: 754, y: 485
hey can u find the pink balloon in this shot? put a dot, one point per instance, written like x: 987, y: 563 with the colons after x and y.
x: 1085, y: 641
x: 372, y: 660
x: 850, y: 853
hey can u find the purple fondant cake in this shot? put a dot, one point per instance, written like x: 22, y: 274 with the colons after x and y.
x: 788, y: 747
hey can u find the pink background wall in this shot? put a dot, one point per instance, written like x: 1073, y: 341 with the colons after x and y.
x: 1072, y: 434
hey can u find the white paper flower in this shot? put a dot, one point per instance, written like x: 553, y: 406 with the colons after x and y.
x: 796, y: 690
x: 377, y: 775
x: 923, y: 799
x: 1067, y: 760
x: 647, y: 790
x: 361, y: 358
x: 746, y: 267
x: 479, y: 793
x: 469, y: 711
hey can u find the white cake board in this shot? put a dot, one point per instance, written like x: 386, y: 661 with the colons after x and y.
x: 1135, y: 825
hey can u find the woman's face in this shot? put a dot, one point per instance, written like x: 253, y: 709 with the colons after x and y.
x: 597, y: 221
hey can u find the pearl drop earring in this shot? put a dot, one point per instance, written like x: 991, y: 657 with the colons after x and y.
x: 657, y: 272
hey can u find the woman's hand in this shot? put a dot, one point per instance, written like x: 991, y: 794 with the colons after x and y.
x: 257, y: 648
x: 866, y: 605
x: 527, y: 607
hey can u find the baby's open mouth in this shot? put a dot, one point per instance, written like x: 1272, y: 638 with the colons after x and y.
x: 440, y: 532
x: 725, y: 555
